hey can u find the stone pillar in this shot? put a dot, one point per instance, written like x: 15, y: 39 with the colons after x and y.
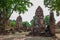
x: 18, y: 23
x: 52, y: 23
x: 58, y: 25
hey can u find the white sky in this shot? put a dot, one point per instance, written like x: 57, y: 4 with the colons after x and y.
x: 28, y: 16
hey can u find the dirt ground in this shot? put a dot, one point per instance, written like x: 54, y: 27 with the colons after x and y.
x: 27, y: 38
x: 21, y: 36
x: 58, y: 35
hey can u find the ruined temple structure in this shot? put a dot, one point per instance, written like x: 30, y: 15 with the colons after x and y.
x: 39, y: 18
x: 24, y: 28
x: 39, y: 25
x: 58, y: 25
x: 18, y: 23
x: 52, y: 23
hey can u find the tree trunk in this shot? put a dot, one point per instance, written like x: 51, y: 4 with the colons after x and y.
x: 1, y: 21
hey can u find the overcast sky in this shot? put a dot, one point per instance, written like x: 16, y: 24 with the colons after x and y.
x: 28, y: 16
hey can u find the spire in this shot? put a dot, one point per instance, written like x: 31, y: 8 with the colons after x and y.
x: 39, y: 9
x: 19, y: 18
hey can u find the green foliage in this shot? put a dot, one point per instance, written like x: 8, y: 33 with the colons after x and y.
x: 54, y: 5
x: 26, y: 24
x: 47, y: 18
x: 8, y: 6
x: 12, y: 23
x: 15, y: 5
x: 32, y: 21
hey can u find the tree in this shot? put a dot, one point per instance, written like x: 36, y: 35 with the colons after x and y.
x: 32, y: 21
x: 8, y: 6
x: 26, y: 24
x: 47, y: 18
x: 12, y: 23
x: 14, y: 5
x: 53, y: 5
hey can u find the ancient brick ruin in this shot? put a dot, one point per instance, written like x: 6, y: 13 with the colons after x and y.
x: 39, y: 18
x: 39, y: 25
x: 58, y: 25
x: 18, y: 23
x: 52, y: 23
